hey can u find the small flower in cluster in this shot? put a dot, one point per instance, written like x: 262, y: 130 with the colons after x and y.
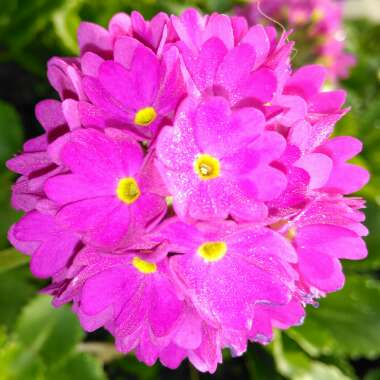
x: 317, y: 27
x: 187, y: 194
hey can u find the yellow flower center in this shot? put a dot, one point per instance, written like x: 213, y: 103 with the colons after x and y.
x: 291, y: 233
x: 212, y: 251
x: 144, y: 266
x: 128, y: 190
x: 326, y: 60
x: 207, y: 167
x: 145, y: 116
x: 317, y: 15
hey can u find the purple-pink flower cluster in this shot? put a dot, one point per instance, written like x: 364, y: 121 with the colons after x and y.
x: 186, y: 193
x: 318, y: 26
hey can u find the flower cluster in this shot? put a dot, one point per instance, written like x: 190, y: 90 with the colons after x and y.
x: 318, y: 30
x: 186, y: 194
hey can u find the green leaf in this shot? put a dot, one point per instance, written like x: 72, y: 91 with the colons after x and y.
x: 3, y: 336
x: 321, y: 371
x: 8, y: 215
x: 18, y: 363
x: 79, y: 365
x: 129, y: 365
x: 260, y: 364
x: 17, y: 287
x: 52, y: 332
x: 10, y: 259
x: 11, y: 135
x: 373, y: 375
x: 346, y: 323
x: 219, y: 5
x: 295, y: 364
x: 66, y: 22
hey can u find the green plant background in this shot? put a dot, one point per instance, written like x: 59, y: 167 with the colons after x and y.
x: 339, y: 340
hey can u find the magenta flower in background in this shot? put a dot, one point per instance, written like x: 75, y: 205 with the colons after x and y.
x: 318, y: 30
x: 186, y: 194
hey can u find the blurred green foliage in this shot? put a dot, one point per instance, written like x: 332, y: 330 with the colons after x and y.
x: 340, y: 340
x: 53, y: 23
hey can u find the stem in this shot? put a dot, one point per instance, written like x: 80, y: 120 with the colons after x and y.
x: 105, y: 352
x: 194, y: 374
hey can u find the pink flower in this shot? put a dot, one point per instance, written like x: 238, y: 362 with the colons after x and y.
x: 50, y: 245
x: 137, y: 90
x: 35, y: 164
x: 132, y: 295
x: 153, y: 33
x: 325, y: 232
x: 223, y: 58
x: 186, y: 194
x: 224, y: 269
x: 210, y: 179
x: 105, y: 196
x: 345, y: 178
x: 267, y: 317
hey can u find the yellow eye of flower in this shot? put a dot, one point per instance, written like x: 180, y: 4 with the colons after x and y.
x: 317, y: 15
x: 144, y: 266
x: 128, y: 190
x: 291, y: 233
x: 212, y: 251
x: 145, y: 116
x: 207, y: 167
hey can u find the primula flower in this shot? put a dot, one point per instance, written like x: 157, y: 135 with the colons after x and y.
x: 210, y: 179
x: 327, y: 229
x: 186, y: 194
x: 132, y: 294
x: 50, y: 245
x: 35, y: 164
x: 105, y: 196
x: 318, y: 26
x: 224, y: 269
x: 136, y: 91
x: 267, y: 317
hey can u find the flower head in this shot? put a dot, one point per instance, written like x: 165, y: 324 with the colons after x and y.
x: 216, y: 161
x: 186, y: 194
x: 105, y: 195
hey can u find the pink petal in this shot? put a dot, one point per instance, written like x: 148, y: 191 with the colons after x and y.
x: 70, y: 188
x: 258, y: 38
x: 53, y: 255
x: 215, y: 124
x: 327, y: 102
x: 189, y: 28
x: 332, y: 240
x: 306, y: 81
x: 92, y: 37
x: 165, y: 307
x: 219, y: 26
x: 318, y: 166
x: 90, y: 64
x: 49, y: 114
x: 103, y: 289
x: 321, y: 271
